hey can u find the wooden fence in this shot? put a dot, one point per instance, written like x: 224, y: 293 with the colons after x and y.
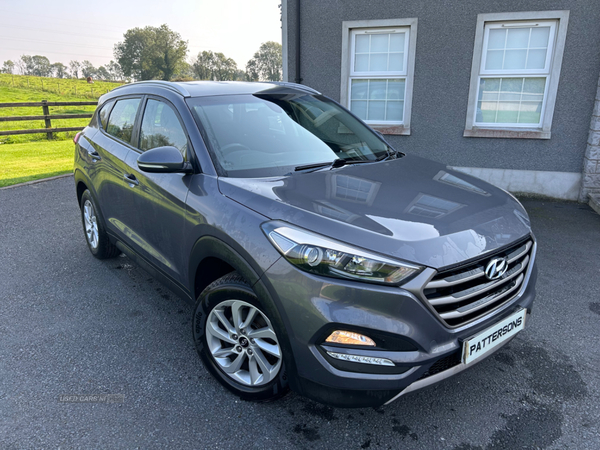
x: 46, y: 117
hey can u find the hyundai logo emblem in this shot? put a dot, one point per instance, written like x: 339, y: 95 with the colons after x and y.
x: 496, y: 268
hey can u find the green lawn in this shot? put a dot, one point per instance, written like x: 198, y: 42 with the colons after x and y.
x: 55, y: 90
x: 30, y: 157
x: 35, y: 160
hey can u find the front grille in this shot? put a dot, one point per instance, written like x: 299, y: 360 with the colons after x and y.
x: 463, y: 294
x: 442, y: 364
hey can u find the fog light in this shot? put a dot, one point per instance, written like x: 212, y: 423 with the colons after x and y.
x: 361, y: 359
x: 349, y: 338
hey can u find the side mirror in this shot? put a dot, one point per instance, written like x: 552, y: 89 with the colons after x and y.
x: 163, y: 160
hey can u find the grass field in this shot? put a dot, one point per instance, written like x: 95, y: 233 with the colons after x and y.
x: 61, y: 86
x: 31, y: 157
x: 34, y: 93
x: 34, y: 160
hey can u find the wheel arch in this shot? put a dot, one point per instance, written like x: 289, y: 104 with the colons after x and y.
x: 211, y: 258
x: 210, y: 249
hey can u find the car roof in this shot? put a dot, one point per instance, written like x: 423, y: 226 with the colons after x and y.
x: 211, y: 88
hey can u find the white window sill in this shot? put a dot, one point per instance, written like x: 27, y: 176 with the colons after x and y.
x: 399, y: 130
x: 507, y: 133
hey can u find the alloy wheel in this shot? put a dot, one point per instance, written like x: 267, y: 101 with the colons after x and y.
x: 243, y: 342
x: 91, y: 224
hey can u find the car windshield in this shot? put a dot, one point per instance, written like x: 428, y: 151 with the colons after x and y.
x: 272, y: 134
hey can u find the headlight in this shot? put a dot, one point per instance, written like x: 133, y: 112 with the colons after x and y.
x: 323, y: 256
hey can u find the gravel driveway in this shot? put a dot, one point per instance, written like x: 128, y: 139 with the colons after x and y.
x: 73, y: 325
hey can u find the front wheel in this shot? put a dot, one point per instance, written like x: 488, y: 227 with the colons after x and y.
x: 237, y: 341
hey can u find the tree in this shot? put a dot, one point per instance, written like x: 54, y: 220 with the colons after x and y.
x: 88, y: 69
x: 59, y: 70
x: 214, y: 66
x: 252, y: 70
x: 27, y: 65
x: 8, y: 67
x: 74, y: 66
x: 151, y: 53
x: 21, y: 66
x: 114, y: 71
x: 267, y: 63
x: 41, y: 66
x: 102, y: 73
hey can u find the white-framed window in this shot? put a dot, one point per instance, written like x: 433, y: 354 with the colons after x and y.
x: 514, y: 78
x: 377, y: 72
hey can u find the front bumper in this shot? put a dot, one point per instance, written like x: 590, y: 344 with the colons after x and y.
x: 424, y: 350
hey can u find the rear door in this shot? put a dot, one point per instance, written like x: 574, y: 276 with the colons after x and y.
x: 112, y: 144
x: 158, y: 199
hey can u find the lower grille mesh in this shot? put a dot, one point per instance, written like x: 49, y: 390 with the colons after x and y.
x: 442, y: 364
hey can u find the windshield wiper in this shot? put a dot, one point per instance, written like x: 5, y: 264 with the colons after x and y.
x: 338, y: 163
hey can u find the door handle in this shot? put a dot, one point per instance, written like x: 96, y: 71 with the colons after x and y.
x: 95, y: 156
x: 131, y: 179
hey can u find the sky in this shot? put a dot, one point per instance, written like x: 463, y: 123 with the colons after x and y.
x: 65, y: 30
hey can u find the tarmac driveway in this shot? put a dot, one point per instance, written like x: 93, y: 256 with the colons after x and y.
x: 73, y: 325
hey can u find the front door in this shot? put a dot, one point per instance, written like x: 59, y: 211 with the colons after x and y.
x: 158, y: 199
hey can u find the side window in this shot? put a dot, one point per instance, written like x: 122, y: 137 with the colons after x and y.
x: 103, y: 115
x: 122, y: 118
x: 161, y: 127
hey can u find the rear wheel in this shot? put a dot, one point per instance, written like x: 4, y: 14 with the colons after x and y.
x: 237, y: 341
x: 95, y: 234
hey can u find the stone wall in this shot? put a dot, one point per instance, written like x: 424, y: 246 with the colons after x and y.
x: 591, y: 162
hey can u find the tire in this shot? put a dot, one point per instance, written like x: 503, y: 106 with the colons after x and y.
x: 93, y: 229
x: 247, y: 359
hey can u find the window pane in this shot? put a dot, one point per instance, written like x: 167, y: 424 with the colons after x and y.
x: 494, y: 59
x: 396, y: 62
x: 359, y: 89
x: 518, y: 38
x: 122, y: 119
x: 397, y: 42
x: 534, y: 85
x: 497, y: 38
x: 539, y: 37
x: 376, y: 110
x: 377, y: 89
x: 104, y: 114
x: 359, y: 108
x: 378, y: 62
x: 395, y: 111
x: 507, y: 112
x: 536, y: 59
x: 514, y: 59
x: 161, y: 127
x: 379, y: 43
x: 510, y: 100
x: 361, y: 63
x: 530, y: 112
x: 396, y: 89
x: 362, y: 43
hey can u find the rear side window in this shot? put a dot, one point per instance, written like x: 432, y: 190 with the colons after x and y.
x: 103, y: 115
x: 122, y: 119
x: 161, y: 127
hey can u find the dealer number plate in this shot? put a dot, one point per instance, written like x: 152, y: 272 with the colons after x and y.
x: 484, y: 342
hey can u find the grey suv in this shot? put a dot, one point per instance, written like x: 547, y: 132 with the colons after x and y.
x: 318, y: 258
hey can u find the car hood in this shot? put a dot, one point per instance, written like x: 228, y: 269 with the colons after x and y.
x: 408, y: 208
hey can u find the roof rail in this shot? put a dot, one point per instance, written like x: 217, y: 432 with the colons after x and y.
x: 300, y: 87
x: 175, y: 87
